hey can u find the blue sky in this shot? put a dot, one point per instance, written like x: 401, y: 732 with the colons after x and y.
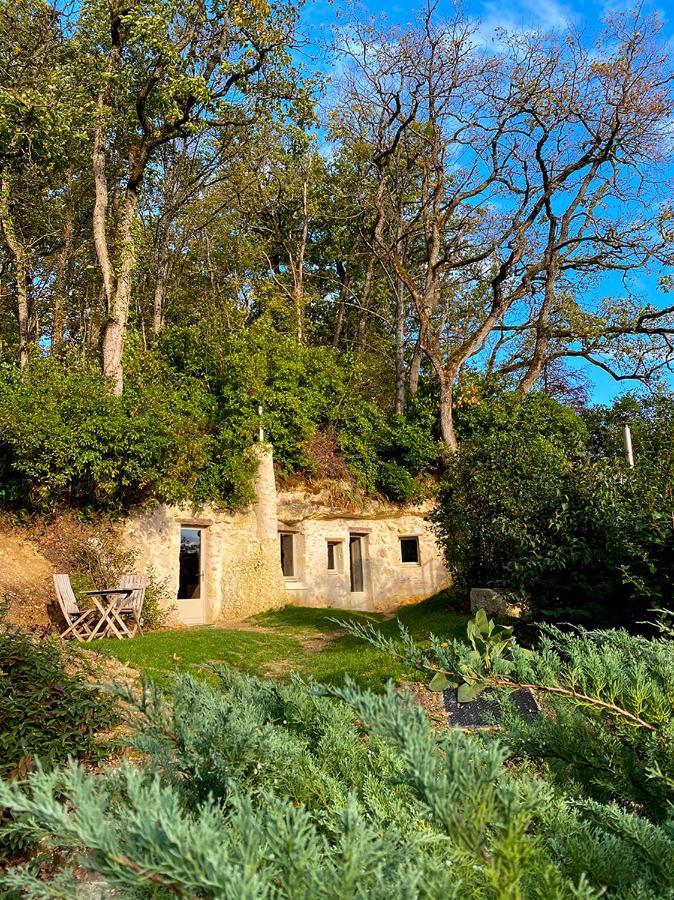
x: 321, y: 16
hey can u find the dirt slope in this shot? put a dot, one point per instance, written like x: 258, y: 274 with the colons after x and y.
x: 25, y: 579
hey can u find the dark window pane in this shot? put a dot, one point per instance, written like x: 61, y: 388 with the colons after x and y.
x: 356, y: 562
x: 331, y: 556
x: 287, y: 555
x: 409, y: 550
x: 189, y: 587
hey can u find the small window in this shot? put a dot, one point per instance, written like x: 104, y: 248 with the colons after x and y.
x: 287, y: 554
x: 409, y: 550
x: 334, y: 559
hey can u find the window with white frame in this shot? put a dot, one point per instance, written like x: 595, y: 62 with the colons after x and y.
x: 409, y: 550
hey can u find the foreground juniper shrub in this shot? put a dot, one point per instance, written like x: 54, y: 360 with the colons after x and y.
x: 251, y: 789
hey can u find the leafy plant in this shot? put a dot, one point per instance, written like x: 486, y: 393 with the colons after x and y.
x: 47, y: 710
x: 491, y: 643
x: 535, y: 512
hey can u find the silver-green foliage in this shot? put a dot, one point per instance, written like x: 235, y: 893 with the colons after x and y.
x: 250, y: 789
x: 609, y: 696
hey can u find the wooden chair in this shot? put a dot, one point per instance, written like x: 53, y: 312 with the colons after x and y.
x: 79, y: 622
x: 133, y: 606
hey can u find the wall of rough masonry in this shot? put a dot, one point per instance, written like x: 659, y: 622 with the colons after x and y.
x: 317, y: 519
x: 240, y: 556
x: 241, y: 568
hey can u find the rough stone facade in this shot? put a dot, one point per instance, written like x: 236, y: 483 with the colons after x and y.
x: 240, y: 561
x: 315, y: 520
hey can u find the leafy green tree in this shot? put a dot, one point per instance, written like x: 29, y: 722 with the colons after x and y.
x: 42, y: 110
x: 525, y: 507
x: 164, y: 72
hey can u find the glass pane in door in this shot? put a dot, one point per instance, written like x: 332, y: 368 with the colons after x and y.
x: 189, y: 587
x: 356, y: 561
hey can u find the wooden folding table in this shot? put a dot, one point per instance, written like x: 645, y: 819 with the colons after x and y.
x: 110, y: 620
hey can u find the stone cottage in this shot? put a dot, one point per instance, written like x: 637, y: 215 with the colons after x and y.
x: 290, y: 546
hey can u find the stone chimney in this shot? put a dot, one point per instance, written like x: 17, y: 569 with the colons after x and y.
x: 266, y: 506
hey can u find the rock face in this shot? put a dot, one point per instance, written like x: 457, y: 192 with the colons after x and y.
x: 239, y: 559
x: 239, y: 564
x: 381, y: 555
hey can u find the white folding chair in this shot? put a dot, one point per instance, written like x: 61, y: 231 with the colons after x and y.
x: 80, y: 624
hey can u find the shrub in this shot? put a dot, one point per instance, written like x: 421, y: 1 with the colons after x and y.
x: 47, y: 711
x: 606, y: 732
x: 526, y: 507
x: 189, y: 413
x: 47, y: 714
x: 253, y: 789
x: 67, y: 440
x: 303, y: 391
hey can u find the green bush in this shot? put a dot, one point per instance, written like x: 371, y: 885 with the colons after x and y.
x: 504, y: 483
x: 47, y: 711
x: 526, y: 506
x: 253, y: 789
x: 189, y: 412
x: 66, y: 439
x: 304, y: 391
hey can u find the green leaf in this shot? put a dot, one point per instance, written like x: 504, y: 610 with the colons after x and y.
x: 440, y: 682
x: 469, y: 692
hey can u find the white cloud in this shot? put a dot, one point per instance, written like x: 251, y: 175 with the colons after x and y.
x: 521, y: 16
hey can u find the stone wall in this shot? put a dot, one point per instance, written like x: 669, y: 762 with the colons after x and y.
x: 240, y: 558
x: 316, y: 518
x: 241, y: 569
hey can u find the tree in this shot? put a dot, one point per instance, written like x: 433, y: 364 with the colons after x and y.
x: 37, y: 121
x: 165, y: 72
x: 522, y: 162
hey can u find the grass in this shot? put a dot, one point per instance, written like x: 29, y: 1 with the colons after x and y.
x: 302, y: 640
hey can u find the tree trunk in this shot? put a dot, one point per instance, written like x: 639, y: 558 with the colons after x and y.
x: 100, y: 214
x: 115, y: 289
x: 160, y: 284
x: 415, y: 366
x: 361, y: 330
x: 298, y: 265
x: 61, y: 279
x: 20, y: 259
x: 118, y: 310
x: 400, y: 349
x: 447, y: 413
x: 341, y: 309
x: 539, y: 356
x: 298, y: 305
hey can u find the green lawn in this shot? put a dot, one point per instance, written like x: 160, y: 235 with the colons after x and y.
x: 295, y: 640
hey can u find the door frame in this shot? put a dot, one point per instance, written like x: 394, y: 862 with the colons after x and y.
x: 361, y: 537
x: 201, y: 599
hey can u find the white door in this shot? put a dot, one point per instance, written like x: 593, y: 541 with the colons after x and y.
x: 191, y: 601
